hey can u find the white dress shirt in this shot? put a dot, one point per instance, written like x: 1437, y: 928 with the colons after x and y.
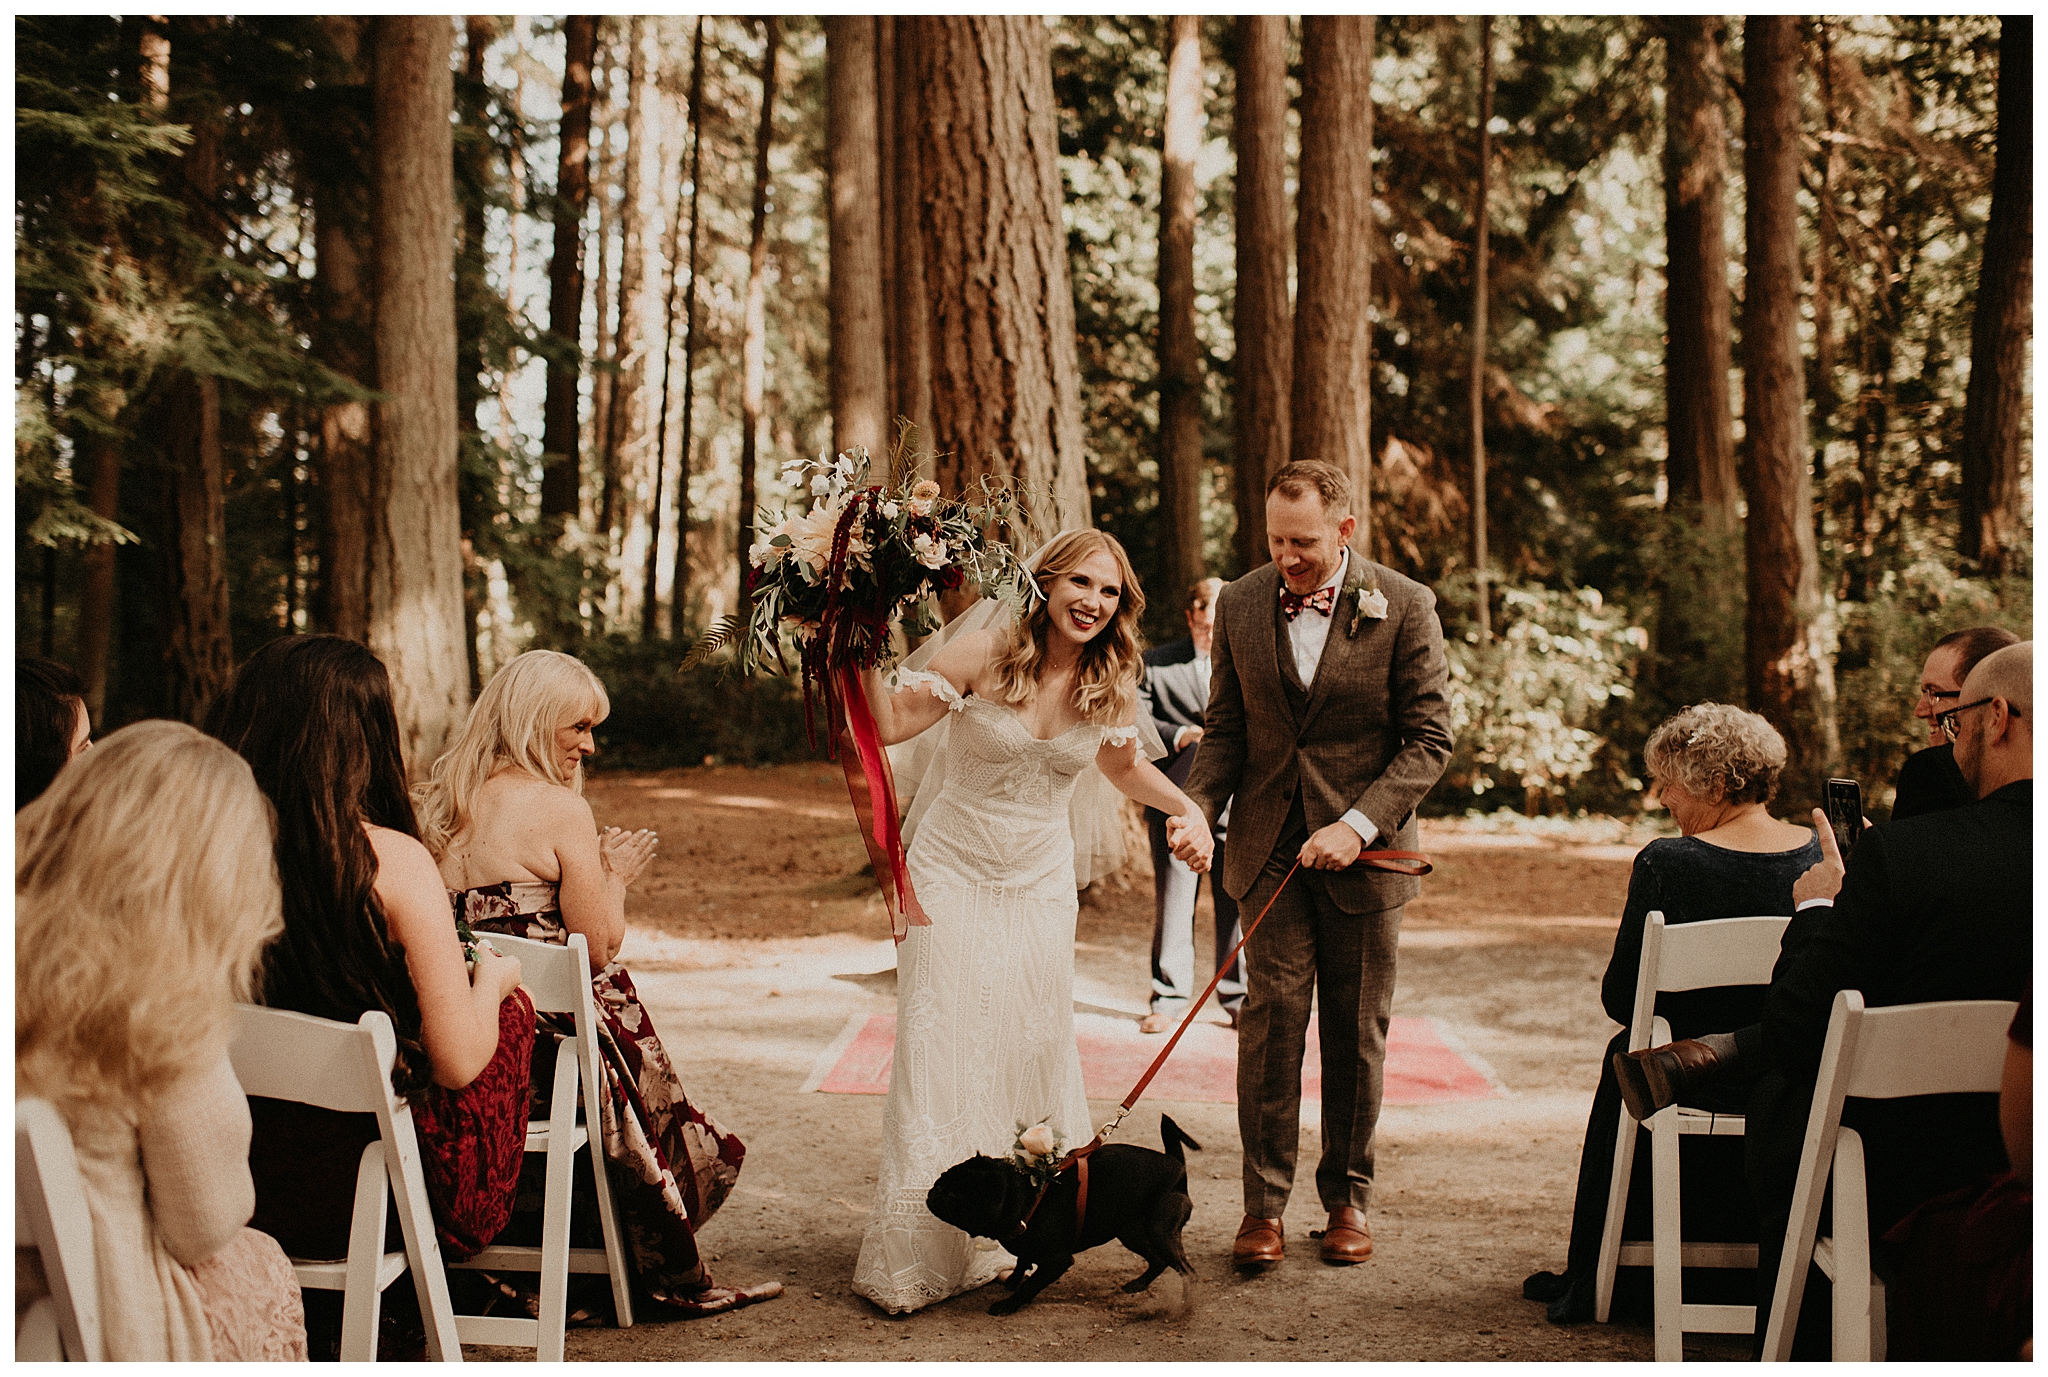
x: 1202, y: 668
x: 1307, y: 633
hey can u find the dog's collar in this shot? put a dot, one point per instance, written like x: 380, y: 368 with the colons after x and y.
x: 1079, y: 1161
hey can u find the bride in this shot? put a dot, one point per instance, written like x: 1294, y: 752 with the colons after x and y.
x: 985, y: 1022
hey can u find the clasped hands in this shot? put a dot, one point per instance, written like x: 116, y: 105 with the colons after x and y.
x: 1188, y: 835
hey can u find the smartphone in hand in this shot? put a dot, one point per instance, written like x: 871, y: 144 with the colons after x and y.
x: 1845, y: 813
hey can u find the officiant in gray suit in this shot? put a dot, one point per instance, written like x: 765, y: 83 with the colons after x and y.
x: 1175, y: 694
x: 1327, y: 724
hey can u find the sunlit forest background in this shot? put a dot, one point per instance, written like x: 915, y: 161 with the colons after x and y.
x: 654, y: 263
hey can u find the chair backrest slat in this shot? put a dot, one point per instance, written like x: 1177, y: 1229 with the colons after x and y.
x: 283, y: 1055
x: 49, y: 1200
x: 1951, y: 1047
x: 557, y: 979
x: 1719, y: 951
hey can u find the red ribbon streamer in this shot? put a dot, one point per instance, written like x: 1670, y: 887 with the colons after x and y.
x: 871, y: 785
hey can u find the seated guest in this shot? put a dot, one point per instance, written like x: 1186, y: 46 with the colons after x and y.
x: 144, y: 893
x: 1716, y: 768
x: 520, y: 853
x: 50, y: 725
x: 1175, y: 694
x: 1929, y: 781
x: 1929, y: 908
x: 1961, y: 1281
x: 366, y: 927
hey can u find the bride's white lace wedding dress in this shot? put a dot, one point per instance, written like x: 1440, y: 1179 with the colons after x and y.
x: 985, y: 995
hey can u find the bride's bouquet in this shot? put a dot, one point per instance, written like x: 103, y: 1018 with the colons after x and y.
x: 834, y: 579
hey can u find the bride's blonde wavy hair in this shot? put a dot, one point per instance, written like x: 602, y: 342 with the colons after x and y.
x: 1112, y: 659
x: 513, y: 723
x: 145, y: 890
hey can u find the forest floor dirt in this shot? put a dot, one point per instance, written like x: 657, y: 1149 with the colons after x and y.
x: 756, y: 937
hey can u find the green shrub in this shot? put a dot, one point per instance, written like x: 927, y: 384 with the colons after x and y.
x: 661, y: 719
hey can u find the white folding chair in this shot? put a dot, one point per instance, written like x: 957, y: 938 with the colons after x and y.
x: 346, y: 1067
x: 50, y: 1214
x: 557, y: 978
x: 1951, y: 1047
x: 1683, y: 956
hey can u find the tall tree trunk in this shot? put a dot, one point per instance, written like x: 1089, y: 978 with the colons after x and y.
x: 860, y: 372
x: 657, y: 619
x: 754, y: 347
x: 1180, y: 352
x: 910, y: 322
x: 345, y: 341
x: 472, y: 290
x: 415, y: 549
x: 625, y: 439
x: 604, y: 378
x: 679, y: 557
x: 1791, y: 678
x: 1700, y: 464
x: 885, y: 207
x: 1481, y: 212
x: 1262, y: 373
x: 1005, y: 380
x: 562, y: 453
x: 194, y: 495
x: 1995, y: 411
x: 1332, y: 413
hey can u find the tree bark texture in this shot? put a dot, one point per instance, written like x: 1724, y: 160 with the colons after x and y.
x: 560, y: 485
x: 754, y: 345
x: 1005, y: 380
x: 1790, y: 672
x: 471, y: 291
x: 1476, y: 383
x: 885, y: 206
x: 655, y: 618
x: 626, y: 423
x: 1180, y: 352
x: 1700, y: 465
x: 679, y: 557
x: 1995, y: 412
x: 346, y: 342
x: 604, y: 373
x: 1331, y: 403
x: 859, y: 368
x: 910, y: 336
x: 415, y: 600
x: 1262, y: 373
x: 193, y: 503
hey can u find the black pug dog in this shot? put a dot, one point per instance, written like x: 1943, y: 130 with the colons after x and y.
x: 1135, y: 1195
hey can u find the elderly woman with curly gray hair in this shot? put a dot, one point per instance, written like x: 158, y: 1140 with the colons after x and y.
x: 1716, y: 769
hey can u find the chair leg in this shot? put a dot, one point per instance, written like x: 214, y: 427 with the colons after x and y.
x: 1854, y: 1319
x: 1617, y: 1205
x: 554, y: 1250
x: 361, y: 1300
x: 1666, y: 1276
x: 607, y: 1209
x: 422, y: 1244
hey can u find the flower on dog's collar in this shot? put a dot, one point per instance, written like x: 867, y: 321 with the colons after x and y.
x: 1037, y: 1151
x: 1371, y: 602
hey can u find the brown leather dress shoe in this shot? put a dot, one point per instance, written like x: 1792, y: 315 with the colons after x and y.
x: 1658, y: 1077
x: 1347, y: 1239
x: 1258, y: 1243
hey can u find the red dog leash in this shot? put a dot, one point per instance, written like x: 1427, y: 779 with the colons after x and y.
x: 1412, y: 863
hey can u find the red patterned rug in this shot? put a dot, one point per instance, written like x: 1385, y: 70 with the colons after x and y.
x: 1423, y: 1064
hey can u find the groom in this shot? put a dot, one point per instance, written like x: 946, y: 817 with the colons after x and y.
x: 1328, y: 723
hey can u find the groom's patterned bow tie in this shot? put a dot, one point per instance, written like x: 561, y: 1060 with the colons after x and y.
x: 1323, y: 600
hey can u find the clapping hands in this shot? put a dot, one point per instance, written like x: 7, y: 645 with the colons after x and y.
x: 625, y: 854
x: 1188, y: 835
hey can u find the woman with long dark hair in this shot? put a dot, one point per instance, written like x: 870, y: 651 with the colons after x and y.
x: 366, y: 926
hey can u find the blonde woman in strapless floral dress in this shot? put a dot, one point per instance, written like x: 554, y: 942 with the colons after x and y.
x: 521, y: 854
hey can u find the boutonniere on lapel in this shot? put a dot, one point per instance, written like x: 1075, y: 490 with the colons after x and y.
x: 1367, y: 602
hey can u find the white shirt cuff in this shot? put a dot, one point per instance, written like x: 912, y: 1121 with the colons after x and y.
x: 1805, y: 904
x: 1361, y: 824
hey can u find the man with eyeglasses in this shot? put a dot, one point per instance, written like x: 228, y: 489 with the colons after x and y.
x: 1931, y: 908
x: 1929, y: 781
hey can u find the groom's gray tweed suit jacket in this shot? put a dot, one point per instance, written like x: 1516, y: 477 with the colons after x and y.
x: 1373, y: 732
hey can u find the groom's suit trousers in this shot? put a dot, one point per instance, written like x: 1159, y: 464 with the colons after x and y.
x: 1306, y: 938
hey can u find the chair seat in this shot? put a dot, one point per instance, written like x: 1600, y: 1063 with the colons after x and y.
x: 333, y: 1276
